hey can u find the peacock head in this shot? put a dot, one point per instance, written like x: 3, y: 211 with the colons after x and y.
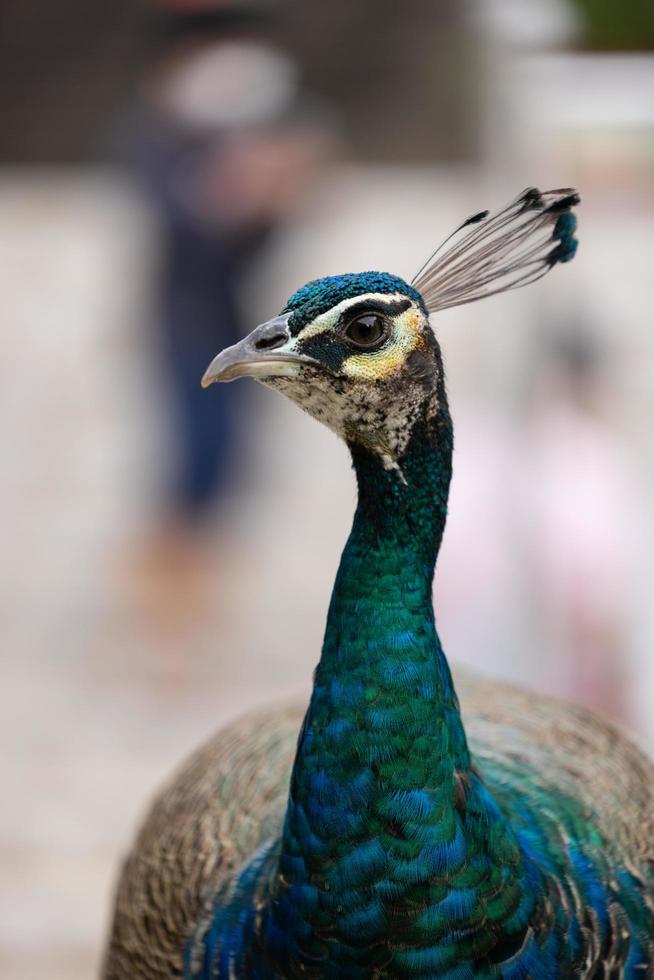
x: 357, y: 351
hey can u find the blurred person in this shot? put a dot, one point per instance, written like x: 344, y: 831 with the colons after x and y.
x: 225, y: 149
x: 541, y: 539
x: 580, y: 509
x: 478, y: 570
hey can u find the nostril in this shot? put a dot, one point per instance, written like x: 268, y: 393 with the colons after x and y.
x: 271, y: 341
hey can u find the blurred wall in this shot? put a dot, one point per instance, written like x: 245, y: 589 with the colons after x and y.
x: 65, y: 69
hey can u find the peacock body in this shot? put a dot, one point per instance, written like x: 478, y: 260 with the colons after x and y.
x: 512, y: 838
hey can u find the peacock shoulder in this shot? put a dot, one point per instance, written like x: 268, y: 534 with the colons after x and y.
x: 552, y: 750
x: 231, y: 794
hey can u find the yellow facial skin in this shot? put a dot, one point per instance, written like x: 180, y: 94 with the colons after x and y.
x: 379, y: 365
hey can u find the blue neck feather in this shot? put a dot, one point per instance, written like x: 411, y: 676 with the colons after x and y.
x: 387, y: 826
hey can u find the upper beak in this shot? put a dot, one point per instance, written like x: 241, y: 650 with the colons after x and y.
x: 262, y: 354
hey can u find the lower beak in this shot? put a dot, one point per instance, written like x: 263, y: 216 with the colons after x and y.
x: 264, y: 353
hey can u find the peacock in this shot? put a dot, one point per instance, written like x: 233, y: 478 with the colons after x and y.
x: 512, y: 837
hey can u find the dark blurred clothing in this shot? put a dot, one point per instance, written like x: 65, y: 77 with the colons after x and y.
x: 202, y: 267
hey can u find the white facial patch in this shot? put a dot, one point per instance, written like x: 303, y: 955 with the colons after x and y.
x: 327, y: 321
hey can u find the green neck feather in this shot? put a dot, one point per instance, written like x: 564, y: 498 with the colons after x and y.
x: 387, y: 828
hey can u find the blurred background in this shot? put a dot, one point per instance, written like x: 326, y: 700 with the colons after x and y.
x: 171, y: 172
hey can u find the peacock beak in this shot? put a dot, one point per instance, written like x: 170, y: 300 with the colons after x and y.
x: 266, y: 352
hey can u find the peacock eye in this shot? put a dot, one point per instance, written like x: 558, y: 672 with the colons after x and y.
x: 365, y: 332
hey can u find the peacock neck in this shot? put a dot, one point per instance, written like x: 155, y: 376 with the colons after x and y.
x: 381, y: 648
x: 383, y: 683
x: 384, y: 705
